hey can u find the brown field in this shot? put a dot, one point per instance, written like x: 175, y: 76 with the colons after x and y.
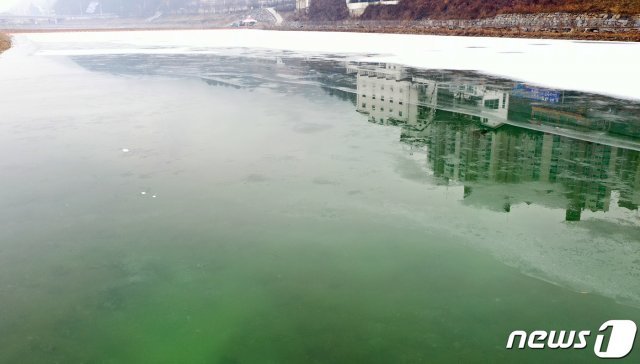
x: 629, y: 36
x: 473, y: 9
x: 5, y: 42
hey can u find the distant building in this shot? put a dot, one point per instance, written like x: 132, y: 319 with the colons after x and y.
x: 248, y: 22
x: 231, y: 6
x: 356, y: 7
x: 302, y: 5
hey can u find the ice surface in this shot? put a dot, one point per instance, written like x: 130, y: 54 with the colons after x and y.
x: 97, y: 115
x: 600, y: 67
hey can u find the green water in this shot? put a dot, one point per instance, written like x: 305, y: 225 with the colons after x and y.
x: 146, y: 219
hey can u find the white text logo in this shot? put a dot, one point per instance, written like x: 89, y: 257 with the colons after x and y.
x: 621, y: 337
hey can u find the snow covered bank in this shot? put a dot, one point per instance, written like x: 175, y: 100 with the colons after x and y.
x: 601, y: 67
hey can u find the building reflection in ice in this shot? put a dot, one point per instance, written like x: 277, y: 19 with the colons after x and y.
x: 505, y: 141
x: 569, y: 155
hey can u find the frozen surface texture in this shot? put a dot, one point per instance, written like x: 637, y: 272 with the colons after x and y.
x: 600, y: 67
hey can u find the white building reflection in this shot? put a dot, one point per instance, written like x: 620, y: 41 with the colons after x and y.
x: 462, y: 125
x: 390, y: 94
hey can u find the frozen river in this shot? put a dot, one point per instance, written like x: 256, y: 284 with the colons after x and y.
x: 251, y: 196
x: 601, y: 67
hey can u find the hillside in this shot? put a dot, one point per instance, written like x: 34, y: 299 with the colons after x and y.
x: 324, y: 10
x: 471, y: 9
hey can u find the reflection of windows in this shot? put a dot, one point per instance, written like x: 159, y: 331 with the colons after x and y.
x: 364, y: 105
x: 492, y: 104
x: 373, y: 107
x: 373, y: 97
x: 399, y: 113
x: 391, y: 101
x: 381, y: 98
x: 382, y: 109
x: 399, y: 102
x: 422, y: 112
x: 365, y: 96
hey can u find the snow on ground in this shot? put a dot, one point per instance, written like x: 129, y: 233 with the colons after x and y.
x: 601, y: 67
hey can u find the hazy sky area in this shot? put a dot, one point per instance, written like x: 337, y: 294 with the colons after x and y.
x: 20, y: 5
x: 5, y: 5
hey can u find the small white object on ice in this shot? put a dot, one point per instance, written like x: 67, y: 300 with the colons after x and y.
x: 125, y: 150
x: 143, y: 193
x: 154, y: 196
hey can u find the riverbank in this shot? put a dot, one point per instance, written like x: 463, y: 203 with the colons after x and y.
x: 5, y: 42
x: 605, y: 27
x: 573, y: 26
x: 628, y: 36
